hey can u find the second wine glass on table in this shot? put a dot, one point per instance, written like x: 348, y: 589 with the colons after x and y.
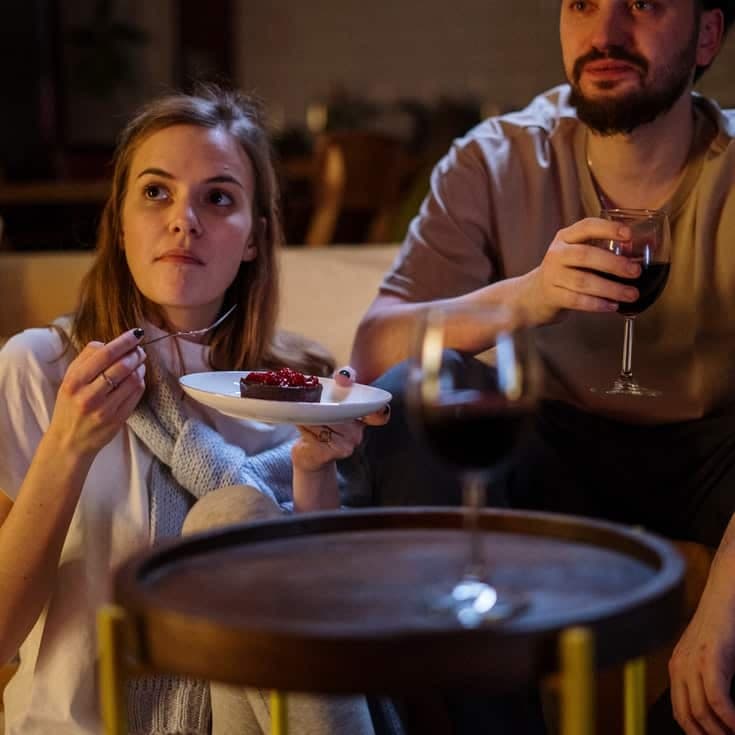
x: 473, y: 416
x: 650, y: 247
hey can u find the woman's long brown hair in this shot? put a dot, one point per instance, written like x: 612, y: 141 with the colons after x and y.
x: 111, y: 303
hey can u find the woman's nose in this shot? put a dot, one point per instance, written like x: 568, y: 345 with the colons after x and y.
x: 184, y: 219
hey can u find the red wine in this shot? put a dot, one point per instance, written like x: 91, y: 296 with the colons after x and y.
x: 650, y: 284
x: 475, y: 430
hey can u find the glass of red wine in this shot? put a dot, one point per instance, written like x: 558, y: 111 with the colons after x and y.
x: 650, y: 247
x: 473, y: 416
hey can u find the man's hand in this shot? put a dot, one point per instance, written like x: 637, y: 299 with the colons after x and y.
x: 703, y: 662
x: 565, y: 281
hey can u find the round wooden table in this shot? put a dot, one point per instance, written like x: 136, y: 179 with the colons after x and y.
x: 340, y: 602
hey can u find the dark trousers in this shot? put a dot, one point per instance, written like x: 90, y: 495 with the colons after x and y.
x: 675, y: 479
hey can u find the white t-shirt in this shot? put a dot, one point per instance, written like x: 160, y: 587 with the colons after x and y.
x: 54, y: 689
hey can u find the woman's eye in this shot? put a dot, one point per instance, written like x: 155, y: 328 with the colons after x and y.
x: 219, y: 198
x: 154, y: 192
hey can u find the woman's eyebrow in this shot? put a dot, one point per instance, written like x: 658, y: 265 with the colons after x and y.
x: 224, y: 179
x: 155, y: 172
x: 219, y: 179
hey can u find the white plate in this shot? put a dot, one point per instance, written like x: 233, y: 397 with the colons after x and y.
x: 221, y: 391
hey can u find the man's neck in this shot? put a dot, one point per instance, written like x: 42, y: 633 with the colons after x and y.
x: 644, y: 168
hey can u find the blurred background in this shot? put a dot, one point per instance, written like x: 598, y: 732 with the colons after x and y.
x: 385, y: 86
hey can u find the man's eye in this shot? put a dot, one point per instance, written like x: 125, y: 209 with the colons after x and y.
x: 219, y: 198
x: 154, y: 192
x: 642, y: 5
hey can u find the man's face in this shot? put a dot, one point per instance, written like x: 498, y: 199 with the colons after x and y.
x: 628, y: 61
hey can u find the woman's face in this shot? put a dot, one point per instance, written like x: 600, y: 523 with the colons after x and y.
x: 187, y: 220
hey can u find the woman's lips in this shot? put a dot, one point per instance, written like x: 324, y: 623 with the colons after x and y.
x: 180, y: 258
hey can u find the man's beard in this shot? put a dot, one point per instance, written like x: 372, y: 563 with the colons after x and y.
x: 625, y: 113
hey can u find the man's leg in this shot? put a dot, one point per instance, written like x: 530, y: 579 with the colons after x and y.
x: 677, y: 480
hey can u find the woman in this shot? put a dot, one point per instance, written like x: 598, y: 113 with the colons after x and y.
x: 97, y: 439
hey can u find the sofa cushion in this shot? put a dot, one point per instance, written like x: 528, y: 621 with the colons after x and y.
x: 324, y: 293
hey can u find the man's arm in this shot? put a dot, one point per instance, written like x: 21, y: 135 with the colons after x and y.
x: 565, y: 280
x: 386, y: 333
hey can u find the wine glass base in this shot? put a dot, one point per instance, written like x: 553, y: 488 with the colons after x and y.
x: 623, y: 387
x: 474, y: 603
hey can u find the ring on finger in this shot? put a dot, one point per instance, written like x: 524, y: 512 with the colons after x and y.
x: 325, y: 435
x: 113, y: 385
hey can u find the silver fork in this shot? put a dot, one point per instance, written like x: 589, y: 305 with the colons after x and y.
x: 193, y: 332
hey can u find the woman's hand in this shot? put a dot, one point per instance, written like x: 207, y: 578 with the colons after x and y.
x: 703, y: 662
x: 314, y: 454
x: 320, y: 445
x: 101, y: 388
x: 564, y: 282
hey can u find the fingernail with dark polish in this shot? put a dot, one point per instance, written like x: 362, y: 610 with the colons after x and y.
x: 345, y: 372
x: 138, y: 332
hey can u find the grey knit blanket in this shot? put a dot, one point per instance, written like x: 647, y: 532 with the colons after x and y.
x: 190, y: 460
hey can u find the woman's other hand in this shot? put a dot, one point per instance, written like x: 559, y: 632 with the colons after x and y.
x: 101, y: 388
x: 318, y: 447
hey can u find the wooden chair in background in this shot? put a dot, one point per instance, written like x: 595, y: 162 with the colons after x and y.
x: 356, y: 172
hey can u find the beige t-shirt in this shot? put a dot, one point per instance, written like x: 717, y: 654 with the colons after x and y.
x: 54, y: 689
x: 496, y: 202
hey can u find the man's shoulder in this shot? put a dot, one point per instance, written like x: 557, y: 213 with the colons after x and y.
x: 728, y: 122
x: 724, y: 119
x: 498, y: 138
x: 538, y: 122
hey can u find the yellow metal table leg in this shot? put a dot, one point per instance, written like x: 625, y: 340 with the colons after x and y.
x: 634, y: 681
x: 577, y: 682
x: 279, y: 714
x: 111, y: 635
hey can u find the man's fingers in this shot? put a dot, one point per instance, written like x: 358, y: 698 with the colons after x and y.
x: 595, y: 228
x: 716, y: 685
x: 702, y: 716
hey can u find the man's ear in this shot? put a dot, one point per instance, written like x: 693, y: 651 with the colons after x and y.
x: 711, y: 32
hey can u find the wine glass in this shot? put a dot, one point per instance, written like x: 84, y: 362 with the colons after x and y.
x: 473, y: 416
x: 650, y: 247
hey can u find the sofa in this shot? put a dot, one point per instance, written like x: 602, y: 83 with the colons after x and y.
x: 325, y: 291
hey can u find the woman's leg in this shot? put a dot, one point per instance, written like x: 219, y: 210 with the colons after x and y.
x: 309, y: 714
x: 240, y: 711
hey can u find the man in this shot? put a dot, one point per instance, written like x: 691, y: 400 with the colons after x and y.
x: 509, y: 219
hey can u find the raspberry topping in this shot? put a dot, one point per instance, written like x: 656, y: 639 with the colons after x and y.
x: 283, y: 377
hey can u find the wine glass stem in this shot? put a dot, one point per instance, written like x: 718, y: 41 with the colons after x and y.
x: 626, y: 373
x: 473, y: 498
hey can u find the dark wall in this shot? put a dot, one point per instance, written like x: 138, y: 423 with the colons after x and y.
x: 28, y: 106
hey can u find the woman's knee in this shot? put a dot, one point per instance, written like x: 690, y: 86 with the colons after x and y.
x: 230, y: 505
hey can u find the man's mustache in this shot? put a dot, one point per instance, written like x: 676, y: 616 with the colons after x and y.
x: 616, y: 53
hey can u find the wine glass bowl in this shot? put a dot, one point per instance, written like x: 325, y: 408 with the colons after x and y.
x: 473, y: 417
x: 650, y: 247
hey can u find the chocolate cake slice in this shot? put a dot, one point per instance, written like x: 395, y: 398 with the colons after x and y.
x: 283, y: 384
